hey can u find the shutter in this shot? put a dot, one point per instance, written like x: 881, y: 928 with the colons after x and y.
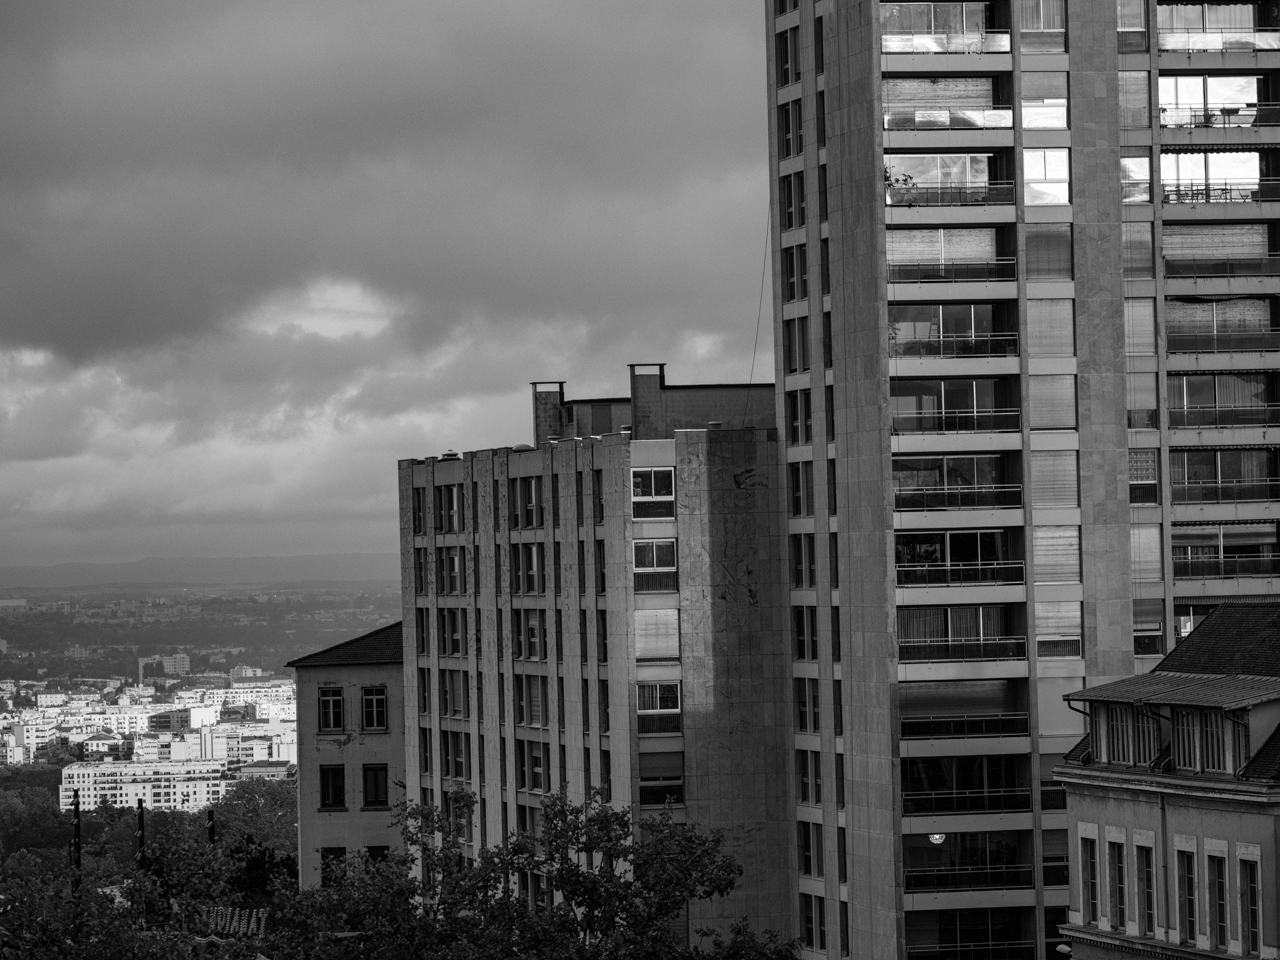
x: 662, y: 766
x: 1146, y: 552
x: 1058, y: 618
x: 1053, y: 401
x: 1056, y: 553
x: 1140, y: 326
x: 1051, y: 328
x: 1054, y: 479
x: 657, y: 634
x: 1054, y: 842
x: 1215, y: 240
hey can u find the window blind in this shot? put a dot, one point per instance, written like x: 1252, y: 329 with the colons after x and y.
x: 1051, y: 328
x: 1054, y: 479
x: 1146, y: 552
x: 971, y: 92
x: 1053, y: 401
x: 1214, y: 240
x: 1059, y: 618
x: 1049, y: 251
x: 657, y: 634
x: 1139, y: 326
x: 1137, y: 251
x: 1056, y: 552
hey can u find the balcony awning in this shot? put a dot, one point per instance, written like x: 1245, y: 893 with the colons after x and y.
x: 1184, y: 690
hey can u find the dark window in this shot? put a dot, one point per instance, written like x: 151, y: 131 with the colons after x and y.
x: 1250, y: 917
x: 332, y: 787
x: 375, y: 785
x: 819, y: 58
x: 787, y: 56
x: 1146, y: 877
x: 827, y: 359
x: 822, y: 193
x: 373, y: 702
x: 330, y: 708
x: 1217, y: 903
x: 1116, y: 886
x: 1089, y: 879
x: 377, y: 854
x: 795, y: 273
x: 1186, y: 897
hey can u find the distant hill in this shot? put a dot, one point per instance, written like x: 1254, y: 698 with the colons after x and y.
x: 207, y: 570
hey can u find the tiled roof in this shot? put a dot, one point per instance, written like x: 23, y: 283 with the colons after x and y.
x: 1265, y: 764
x: 378, y: 646
x: 1239, y: 638
x: 1184, y: 690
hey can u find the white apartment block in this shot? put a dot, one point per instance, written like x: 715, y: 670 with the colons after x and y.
x: 159, y: 784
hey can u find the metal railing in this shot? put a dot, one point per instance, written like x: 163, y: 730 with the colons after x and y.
x: 658, y: 723
x: 940, y: 116
x: 1013, y: 876
x: 944, y: 574
x: 1220, y: 341
x: 948, y: 651
x: 1221, y: 191
x: 997, y: 420
x: 1058, y: 647
x: 1005, y: 950
x: 956, y: 345
x: 965, y: 725
x: 1219, y: 38
x: 1219, y: 568
x: 1221, y: 115
x: 659, y: 581
x: 1263, y: 266
x: 955, y: 194
x: 1053, y: 798
x: 954, y: 271
x: 990, y: 497
x: 973, y: 41
x: 1225, y: 491
x: 926, y: 803
x: 1259, y: 415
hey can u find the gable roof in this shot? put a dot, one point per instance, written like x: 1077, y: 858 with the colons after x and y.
x: 1239, y: 638
x: 378, y: 646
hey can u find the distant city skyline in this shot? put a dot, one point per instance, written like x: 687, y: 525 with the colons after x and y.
x: 256, y: 255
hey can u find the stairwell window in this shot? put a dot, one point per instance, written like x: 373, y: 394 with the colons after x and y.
x: 655, y: 566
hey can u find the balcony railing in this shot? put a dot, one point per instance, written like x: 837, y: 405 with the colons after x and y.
x: 1221, y: 115
x: 964, y: 725
x: 658, y: 723
x: 1222, y: 38
x: 1013, y: 876
x: 999, y: 420
x: 1259, y: 415
x: 956, y: 345
x: 954, y: 194
x: 1052, y: 796
x: 1056, y: 874
x: 1264, y: 266
x: 1192, y: 341
x: 939, y: 116
x: 944, y: 574
x: 1221, y: 191
x: 657, y: 581
x: 949, y: 651
x: 989, y: 41
x: 933, y: 802
x: 1219, y: 568
x: 990, y: 497
x: 954, y: 271
x: 1226, y: 491
x: 1008, y: 950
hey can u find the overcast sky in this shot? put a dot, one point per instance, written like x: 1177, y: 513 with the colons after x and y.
x: 253, y: 253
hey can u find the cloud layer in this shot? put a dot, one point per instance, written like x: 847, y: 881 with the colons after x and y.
x: 251, y: 254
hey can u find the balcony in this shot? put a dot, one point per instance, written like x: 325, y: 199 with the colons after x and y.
x: 936, y: 116
x: 1226, y: 491
x: 953, y: 650
x: 954, y: 345
x: 1207, y: 39
x: 964, y: 725
x: 1003, y: 496
x: 1007, y: 950
x: 1220, y: 341
x: 1255, y: 415
x: 1221, y: 191
x: 959, y: 574
x: 937, y: 802
x: 1221, y: 115
x: 1262, y: 266
x: 998, y: 420
x: 962, y: 193
x: 1221, y: 568
x: 1013, y: 876
x: 967, y: 39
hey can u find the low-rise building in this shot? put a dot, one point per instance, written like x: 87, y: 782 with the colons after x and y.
x: 1173, y: 799
x: 351, y: 725
x: 159, y: 784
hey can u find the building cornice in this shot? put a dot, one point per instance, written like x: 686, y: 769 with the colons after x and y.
x: 1239, y: 791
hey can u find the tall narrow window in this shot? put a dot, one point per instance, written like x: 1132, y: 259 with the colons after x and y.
x: 1089, y: 879
x: 1115, y: 854
x: 1250, y: 909
x: 1217, y: 876
x: 1146, y: 877
x: 1049, y: 251
x: 1135, y: 99
x: 1186, y: 868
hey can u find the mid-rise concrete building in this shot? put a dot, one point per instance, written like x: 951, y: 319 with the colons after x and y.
x: 1173, y: 799
x: 352, y: 719
x: 159, y: 784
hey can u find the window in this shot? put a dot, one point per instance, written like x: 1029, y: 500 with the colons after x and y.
x: 829, y: 402
x: 1052, y: 401
x: 1089, y: 879
x: 784, y: 6
x: 823, y: 207
x: 787, y: 56
x: 448, y: 504
x: 840, y: 796
x: 1049, y: 251
x: 1135, y: 174
x: 1131, y: 26
x: 1213, y: 749
x: 655, y: 566
x: 1186, y: 896
x: 375, y: 785
x: 1217, y: 876
x: 653, y: 493
x: 373, y: 708
x: 790, y: 129
x: 831, y: 491
x: 821, y: 119
x: 803, y: 563
x: 1146, y: 552
x: 1116, y: 891
x: 1138, y: 262
x: 1184, y: 740
x: 658, y: 707
x: 1144, y: 476
x: 815, y: 923
x: 1058, y: 628
x: 597, y: 494
x: 1054, y: 479
x: 602, y: 636
x: 1043, y: 24
x: 419, y: 510
x: 661, y: 778
x: 1119, y: 733
x: 809, y: 848
x: 1146, y: 877
x: 1148, y: 641
x: 330, y: 863
x: 828, y: 360
x: 333, y: 788
x: 800, y: 488
x: 1046, y: 177
x: 824, y: 265
x: 791, y: 212
x: 1056, y: 553
x: 819, y: 58
x: 1140, y: 399
x: 1135, y: 99
x: 330, y: 708
x: 1044, y: 101
x: 1051, y: 328
x: 807, y: 698
x: 1250, y: 909
x: 799, y: 413
x: 795, y: 273
x: 795, y: 344
x: 602, y: 704
x: 837, y: 707
x: 1139, y: 326
x: 600, y: 567
x: 804, y: 629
